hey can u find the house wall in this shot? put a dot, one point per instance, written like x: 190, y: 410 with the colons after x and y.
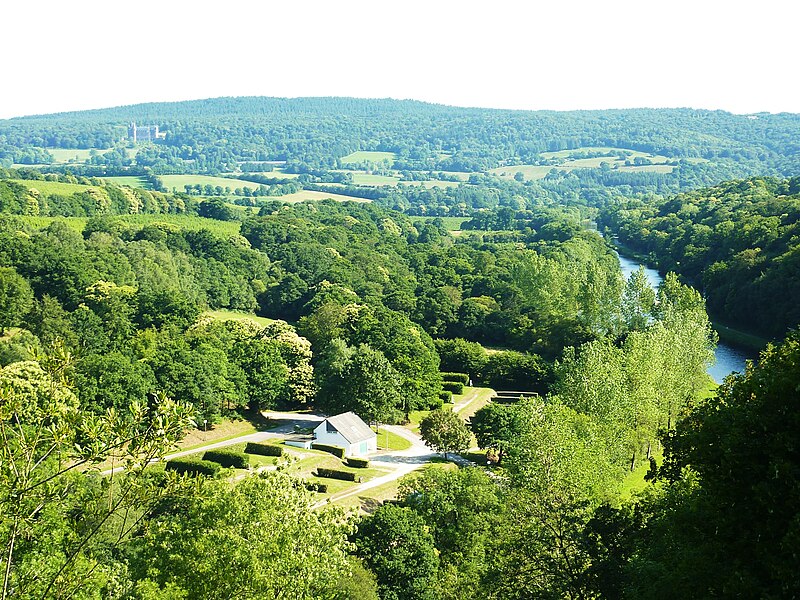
x: 322, y: 436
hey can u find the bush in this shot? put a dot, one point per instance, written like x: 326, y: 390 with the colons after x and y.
x: 336, y: 474
x: 337, y: 451
x: 193, y: 466
x: 458, y: 377
x: 453, y: 386
x: 446, y: 396
x: 228, y: 458
x: 263, y: 449
x: 359, y: 463
x: 313, y: 486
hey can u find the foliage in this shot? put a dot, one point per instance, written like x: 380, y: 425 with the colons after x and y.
x: 497, y: 426
x: 337, y: 474
x: 396, y: 545
x: 361, y: 463
x: 228, y: 458
x: 194, y: 466
x: 219, y: 529
x: 444, y: 431
x: 263, y: 449
x: 337, y: 451
x: 454, y: 387
x: 462, y: 378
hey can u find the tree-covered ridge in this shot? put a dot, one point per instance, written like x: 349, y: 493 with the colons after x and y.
x: 738, y: 242
x: 217, y: 135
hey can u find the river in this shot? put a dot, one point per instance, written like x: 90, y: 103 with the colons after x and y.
x: 729, y: 359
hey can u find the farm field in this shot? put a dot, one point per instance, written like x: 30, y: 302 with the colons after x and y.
x: 138, y: 182
x: 432, y: 183
x: 373, y: 180
x: 178, y: 182
x: 230, y: 315
x: 53, y: 187
x: 304, y: 195
x: 364, y: 155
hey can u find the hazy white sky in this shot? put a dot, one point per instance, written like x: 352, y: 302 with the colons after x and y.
x: 732, y: 55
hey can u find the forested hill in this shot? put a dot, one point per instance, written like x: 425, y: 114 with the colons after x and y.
x: 218, y: 133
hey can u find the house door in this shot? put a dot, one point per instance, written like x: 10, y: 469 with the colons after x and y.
x: 362, y: 448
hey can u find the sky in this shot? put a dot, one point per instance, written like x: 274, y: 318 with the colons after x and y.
x: 559, y: 55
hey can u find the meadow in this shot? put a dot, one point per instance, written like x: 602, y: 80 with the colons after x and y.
x: 178, y: 182
x: 363, y: 155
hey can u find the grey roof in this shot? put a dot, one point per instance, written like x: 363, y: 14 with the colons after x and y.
x: 351, y: 427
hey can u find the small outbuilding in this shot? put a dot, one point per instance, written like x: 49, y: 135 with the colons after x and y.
x: 349, y: 431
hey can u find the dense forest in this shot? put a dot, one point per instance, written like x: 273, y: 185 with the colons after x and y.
x: 136, y: 315
x: 736, y: 242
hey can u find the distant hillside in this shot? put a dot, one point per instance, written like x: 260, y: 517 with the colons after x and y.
x: 312, y: 134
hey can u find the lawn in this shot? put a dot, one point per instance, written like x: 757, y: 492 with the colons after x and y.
x: 304, y: 195
x: 391, y: 441
x: 137, y: 182
x: 64, y: 155
x: 53, y: 187
x: 230, y: 315
x: 452, y: 223
x: 178, y: 182
x: 529, y: 172
x: 634, y: 481
x: 368, y: 179
x: 363, y: 155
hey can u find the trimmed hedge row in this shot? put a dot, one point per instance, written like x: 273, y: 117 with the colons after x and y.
x: 457, y: 377
x: 193, y: 466
x: 336, y: 474
x: 228, y: 458
x: 313, y: 486
x: 359, y: 463
x: 337, y: 451
x: 263, y: 449
x: 446, y: 396
x: 453, y: 386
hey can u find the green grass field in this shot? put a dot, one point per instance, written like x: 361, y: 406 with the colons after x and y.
x: 391, y: 441
x: 452, y: 223
x: 432, y: 183
x: 53, y: 187
x: 371, y: 180
x: 178, y: 182
x: 230, y: 315
x: 529, y: 172
x: 190, y: 222
x: 364, y: 155
x: 137, y: 182
x: 304, y: 195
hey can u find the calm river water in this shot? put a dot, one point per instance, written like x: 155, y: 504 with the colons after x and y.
x: 730, y: 359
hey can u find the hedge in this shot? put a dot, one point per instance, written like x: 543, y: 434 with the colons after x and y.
x: 446, y: 396
x: 228, y: 458
x: 193, y: 466
x: 457, y: 377
x: 263, y: 449
x: 337, y: 451
x: 336, y: 474
x: 453, y: 386
x: 313, y: 486
x: 359, y: 463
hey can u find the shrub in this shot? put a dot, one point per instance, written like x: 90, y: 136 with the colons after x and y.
x: 457, y: 377
x: 263, y: 449
x: 337, y: 451
x: 453, y: 386
x: 359, y: 463
x: 193, y: 466
x: 336, y: 474
x: 228, y: 458
x: 313, y: 486
x: 446, y: 396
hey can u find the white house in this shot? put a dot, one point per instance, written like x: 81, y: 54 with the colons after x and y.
x: 349, y: 431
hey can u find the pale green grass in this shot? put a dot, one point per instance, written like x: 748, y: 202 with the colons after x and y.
x: 415, y: 416
x: 230, y: 315
x: 634, y: 481
x: 74, y: 223
x: 603, y: 149
x: 371, y: 180
x: 364, y: 155
x: 529, y: 172
x: 137, y: 182
x: 472, y: 400
x: 179, y: 182
x: 53, y: 187
x: 452, y: 223
x: 188, y: 222
x: 304, y: 195
x: 432, y: 183
x: 590, y: 163
x: 647, y: 169
x: 391, y: 441
x: 65, y: 155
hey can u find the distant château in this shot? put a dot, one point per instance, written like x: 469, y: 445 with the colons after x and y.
x: 144, y: 133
